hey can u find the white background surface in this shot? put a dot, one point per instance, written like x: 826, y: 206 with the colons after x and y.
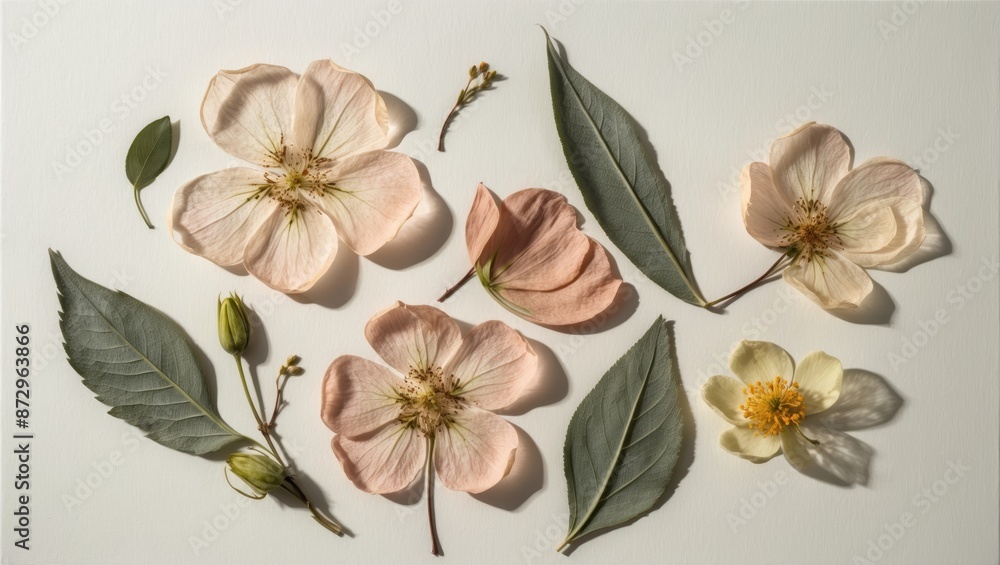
x: 913, y: 81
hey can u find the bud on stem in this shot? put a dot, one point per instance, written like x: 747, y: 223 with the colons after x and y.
x: 234, y: 328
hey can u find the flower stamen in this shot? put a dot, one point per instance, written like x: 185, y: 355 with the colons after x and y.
x: 810, y: 233
x: 427, y: 401
x: 773, y: 407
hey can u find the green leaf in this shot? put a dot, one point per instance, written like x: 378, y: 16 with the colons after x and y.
x: 139, y: 362
x: 621, y: 182
x: 625, y: 437
x: 147, y: 157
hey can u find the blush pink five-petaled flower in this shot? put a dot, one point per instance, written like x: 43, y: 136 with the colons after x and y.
x: 832, y: 221
x: 319, y: 139
x: 530, y: 256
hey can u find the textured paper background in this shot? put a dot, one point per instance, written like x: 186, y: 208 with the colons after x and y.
x: 711, y: 84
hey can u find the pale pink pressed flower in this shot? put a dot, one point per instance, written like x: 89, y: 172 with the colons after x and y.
x: 831, y: 221
x: 530, y: 256
x: 319, y: 138
x: 435, y: 410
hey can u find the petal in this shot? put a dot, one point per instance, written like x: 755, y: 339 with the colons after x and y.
x: 819, y: 376
x: 388, y: 461
x: 873, y: 181
x: 369, y: 198
x: 408, y: 337
x: 292, y: 250
x: 248, y: 112
x: 593, y: 291
x: 754, y: 361
x: 756, y: 448
x: 871, y: 228
x: 796, y: 448
x: 725, y: 395
x: 809, y: 162
x: 540, y: 248
x: 481, y: 223
x: 831, y: 281
x: 766, y: 210
x: 475, y: 452
x: 216, y: 214
x: 359, y: 396
x: 338, y: 112
x: 908, y: 217
x: 493, y: 366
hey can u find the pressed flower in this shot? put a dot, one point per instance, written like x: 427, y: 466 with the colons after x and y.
x: 831, y: 221
x: 435, y: 410
x: 319, y: 139
x: 530, y: 256
x: 771, y: 399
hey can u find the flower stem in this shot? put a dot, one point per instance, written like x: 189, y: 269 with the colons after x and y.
x: 292, y: 488
x: 253, y: 408
x: 429, y: 476
x: 462, y: 100
x: 138, y: 203
x: 736, y: 293
x: 458, y: 285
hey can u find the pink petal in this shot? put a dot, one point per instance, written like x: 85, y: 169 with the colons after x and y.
x: 593, y: 291
x: 374, y: 193
x: 831, y: 281
x: 292, y: 250
x: 475, y: 451
x: 216, y: 214
x: 909, y: 235
x: 418, y: 337
x: 540, y: 248
x: 481, y: 223
x: 492, y: 366
x: 766, y: 210
x: 809, y: 162
x: 388, y: 461
x: 248, y: 112
x: 875, y: 180
x: 870, y: 229
x: 359, y: 396
x: 338, y: 112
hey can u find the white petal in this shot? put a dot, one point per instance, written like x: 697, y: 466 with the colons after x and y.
x: 725, y: 395
x: 809, y: 162
x: 796, y: 448
x: 871, y: 228
x: 874, y: 181
x: 756, y: 448
x: 248, y: 112
x: 766, y: 211
x: 754, y: 361
x: 819, y: 376
x: 908, y: 218
x: 291, y: 251
x: 831, y: 281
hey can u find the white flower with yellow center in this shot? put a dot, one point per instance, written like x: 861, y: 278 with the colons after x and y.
x: 770, y: 399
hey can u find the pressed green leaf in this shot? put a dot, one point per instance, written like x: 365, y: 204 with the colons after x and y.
x: 147, y: 157
x: 620, y: 181
x: 625, y: 437
x: 139, y: 362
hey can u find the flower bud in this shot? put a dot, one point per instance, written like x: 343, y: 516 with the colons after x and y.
x: 261, y: 473
x: 234, y: 329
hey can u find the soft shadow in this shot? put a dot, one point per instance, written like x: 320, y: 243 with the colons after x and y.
x: 525, y: 479
x: 423, y: 235
x: 839, y: 459
x: 410, y: 495
x: 175, y: 141
x: 256, y: 353
x: 550, y: 387
x: 336, y: 287
x: 402, y: 119
x: 866, y: 400
x: 936, y: 241
x: 684, y: 459
x: 876, y: 309
x: 315, y: 495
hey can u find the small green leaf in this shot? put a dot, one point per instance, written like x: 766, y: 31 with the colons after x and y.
x: 620, y: 181
x: 139, y: 362
x: 147, y: 157
x: 625, y: 437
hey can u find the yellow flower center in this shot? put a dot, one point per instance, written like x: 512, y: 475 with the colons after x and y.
x: 773, y: 406
x: 809, y: 233
x: 427, y: 400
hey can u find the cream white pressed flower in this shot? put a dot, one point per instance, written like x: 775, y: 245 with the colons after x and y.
x: 832, y: 221
x: 319, y: 138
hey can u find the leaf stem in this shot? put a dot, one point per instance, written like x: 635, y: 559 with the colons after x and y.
x: 736, y: 293
x: 429, y: 477
x: 138, y: 203
x: 458, y: 285
x: 253, y: 408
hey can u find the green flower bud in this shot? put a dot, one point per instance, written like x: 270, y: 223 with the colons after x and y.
x: 261, y: 473
x: 234, y: 329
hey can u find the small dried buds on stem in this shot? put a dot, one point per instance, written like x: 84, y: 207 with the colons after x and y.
x: 262, y: 469
x: 486, y: 77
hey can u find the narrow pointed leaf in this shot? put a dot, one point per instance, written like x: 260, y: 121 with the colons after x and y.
x: 139, y: 362
x: 624, y: 439
x: 147, y: 157
x: 620, y: 181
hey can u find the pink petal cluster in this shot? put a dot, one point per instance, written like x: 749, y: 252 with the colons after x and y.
x: 437, y: 402
x: 533, y: 260
x: 319, y: 138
